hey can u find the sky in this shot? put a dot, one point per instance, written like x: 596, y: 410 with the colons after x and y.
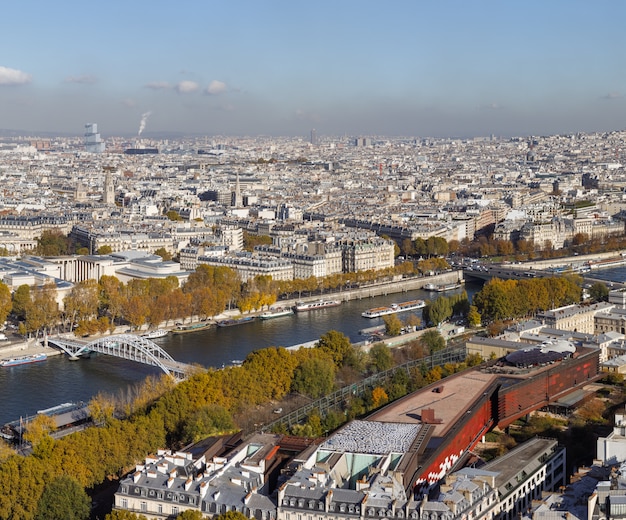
x: 437, y: 68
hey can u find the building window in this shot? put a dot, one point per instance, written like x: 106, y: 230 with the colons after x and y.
x: 124, y: 503
x: 144, y: 507
x: 160, y: 508
x: 174, y: 510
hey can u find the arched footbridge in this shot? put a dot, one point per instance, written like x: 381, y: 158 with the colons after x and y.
x: 127, y: 346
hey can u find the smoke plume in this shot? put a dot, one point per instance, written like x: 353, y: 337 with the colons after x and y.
x: 144, y: 119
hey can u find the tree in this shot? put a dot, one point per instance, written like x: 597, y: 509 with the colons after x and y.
x: 105, y: 250
x: 473, y: 317
x: 163, y: 253
x: 433, y: 340
x: 122, y: 514
x: 338, y: 345
x: 231, y: 515
x: 379, y: 397
x: 315, y: 377
x: 21, y: 300
x: 393, y: 325
x: 440, y: 310
x: 208, y: 421
x: 173, y: 215
x: 5, y: 302
x: 63, y: 498
x: 111, y: 296
x: 42, y: 312
x: 381, y: 358
x: 81, y: 303
x: 194, y: 514
x: 39, y: 428
x: 599, y: 292
x: 52, y: 243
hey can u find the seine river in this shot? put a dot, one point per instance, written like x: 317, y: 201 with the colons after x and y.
x: 29, y: 388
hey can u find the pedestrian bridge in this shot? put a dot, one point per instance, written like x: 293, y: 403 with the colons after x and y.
x: 126, y: 346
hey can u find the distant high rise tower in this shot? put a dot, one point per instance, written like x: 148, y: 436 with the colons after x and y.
x: 108, y: 196
x: 236, y: 200
x: 93, y: 142
x: 313, y: 137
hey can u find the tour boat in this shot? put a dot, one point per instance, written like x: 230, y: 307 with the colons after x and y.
x: 154, y: 334
x: 376, y: 312
x: 275, y: 313
x: 23, y: 360
x: 319, y: 304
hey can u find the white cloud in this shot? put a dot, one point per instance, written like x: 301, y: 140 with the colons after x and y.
x: 216, y: 87
x: 613, y: 95
x: 83, y: 80
x: 185, y: 87
x: 128, y: 102
x: 13, y: 76
x: 158, y: 85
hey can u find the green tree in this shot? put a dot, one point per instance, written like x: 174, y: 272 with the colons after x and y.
x: 105, y: 250
x: 21, y: 300
x: 433, y: 340
x: 193, y: 514
x: 315, y: 377
x: 173, y: 215
x: 231, y: 515
x: 338, y: 345
x: 122, y: 514
x: 599, y: 292
x: 63, y: 498
x: 438, y: 311
x: 208, y: 421
x: 163, y: 253
x: 381, y: 358
x: 52, y: 243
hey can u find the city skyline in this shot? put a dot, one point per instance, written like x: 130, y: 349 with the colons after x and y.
x: 441, y: 69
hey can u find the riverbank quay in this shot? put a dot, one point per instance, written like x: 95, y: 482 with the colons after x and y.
x: 31, y: 347
x: 18, y: 346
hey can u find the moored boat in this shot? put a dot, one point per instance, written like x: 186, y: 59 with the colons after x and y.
x: 154, y: 334
x: 183, y: 329
x: 23, y: 360
x: 275, y: 313
x: 319, y: 304
x: 394, y: 308
x: 448, y: 287
x: 235, y: 321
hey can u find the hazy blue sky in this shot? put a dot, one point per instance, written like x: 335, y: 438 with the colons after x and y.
x: 357, y: 67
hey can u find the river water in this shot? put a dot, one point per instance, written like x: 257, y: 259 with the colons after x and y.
x: 29, y: 388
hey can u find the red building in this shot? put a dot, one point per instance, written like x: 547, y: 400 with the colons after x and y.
x: 462, y: 408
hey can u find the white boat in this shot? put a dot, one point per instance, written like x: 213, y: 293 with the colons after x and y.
x: 319, y: 304
x: 275, y: 313
x: 23, y: 360
x: 153, y: 334
x: 394, y: 308
x: 448, y: 287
